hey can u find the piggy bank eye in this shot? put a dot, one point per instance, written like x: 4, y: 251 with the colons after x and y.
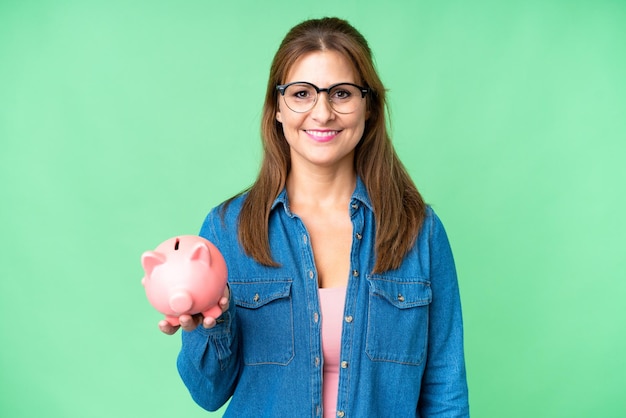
x: 176, y: 245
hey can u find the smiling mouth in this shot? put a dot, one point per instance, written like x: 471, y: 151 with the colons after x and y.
x: 322, y: 134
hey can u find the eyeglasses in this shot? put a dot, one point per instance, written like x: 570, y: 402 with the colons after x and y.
x: 301, y: 96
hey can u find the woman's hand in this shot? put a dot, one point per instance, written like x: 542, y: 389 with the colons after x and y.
x: 191, y: 322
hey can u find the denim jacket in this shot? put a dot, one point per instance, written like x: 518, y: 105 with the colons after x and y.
x: 401, y: 342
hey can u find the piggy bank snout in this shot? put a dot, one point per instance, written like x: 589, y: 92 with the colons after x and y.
x: 181, y: 302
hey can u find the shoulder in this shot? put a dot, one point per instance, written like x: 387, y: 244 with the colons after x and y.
x: 433, y: 240
x: 221, y: 221
x: 432, y: 233
x: 432, y: 223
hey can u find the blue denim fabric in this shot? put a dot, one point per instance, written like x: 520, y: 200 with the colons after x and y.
x: 402, y: 337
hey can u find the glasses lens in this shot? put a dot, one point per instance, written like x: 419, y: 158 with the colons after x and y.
x: 300, y: 97
x: 345, y: 98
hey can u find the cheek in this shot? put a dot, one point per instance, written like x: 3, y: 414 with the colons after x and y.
x: 290, y: 120
x: 361, y: 123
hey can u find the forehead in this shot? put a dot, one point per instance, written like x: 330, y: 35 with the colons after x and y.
x: 322, y: 68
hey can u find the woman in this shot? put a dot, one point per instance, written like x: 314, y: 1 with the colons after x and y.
x: 343, y: 298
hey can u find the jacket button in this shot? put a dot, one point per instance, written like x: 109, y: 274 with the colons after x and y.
x: 256, y: 297
x: 358, y: 236
x: 340, y: 414
x: 349, y: 319
x: 355, y: 273
x: 400, y: 297
x: 344, y: 364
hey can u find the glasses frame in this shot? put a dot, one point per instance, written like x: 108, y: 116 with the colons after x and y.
x: 282, y: 87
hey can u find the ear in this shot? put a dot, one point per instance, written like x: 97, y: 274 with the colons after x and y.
x: 201, y: 253
x: 150, y: 260
x: 278, y: 116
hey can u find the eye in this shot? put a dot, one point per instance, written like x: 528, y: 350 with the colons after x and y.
x: 301, y: 92
x: 341, y: 93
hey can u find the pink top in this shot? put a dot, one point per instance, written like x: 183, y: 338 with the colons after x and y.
x: 332, y: 304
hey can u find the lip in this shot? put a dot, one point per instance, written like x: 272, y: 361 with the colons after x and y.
x: 322, y: 135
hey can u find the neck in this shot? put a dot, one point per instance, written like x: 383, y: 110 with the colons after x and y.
x: 320, y: 187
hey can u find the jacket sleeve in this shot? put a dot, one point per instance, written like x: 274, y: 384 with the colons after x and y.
x: 444, y: 390
x: 208, y: 362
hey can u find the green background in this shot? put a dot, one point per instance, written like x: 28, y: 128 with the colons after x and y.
x: 122, y: 123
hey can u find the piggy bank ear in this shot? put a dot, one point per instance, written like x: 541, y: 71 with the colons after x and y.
x: 151, y: 259
x: 201, y: 253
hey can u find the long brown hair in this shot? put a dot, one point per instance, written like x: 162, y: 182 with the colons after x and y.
x: 399, y: 209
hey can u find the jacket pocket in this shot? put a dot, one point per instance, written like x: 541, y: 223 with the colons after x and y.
x: 265, y: 318
x: 397, y: 323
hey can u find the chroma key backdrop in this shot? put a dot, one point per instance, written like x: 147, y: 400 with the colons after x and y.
x: 123, y: 122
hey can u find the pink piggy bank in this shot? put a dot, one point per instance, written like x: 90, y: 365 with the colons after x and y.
x: 184, y: 275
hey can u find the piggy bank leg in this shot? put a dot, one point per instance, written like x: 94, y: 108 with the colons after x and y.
x: 214, y: 312
x: 172, y: 320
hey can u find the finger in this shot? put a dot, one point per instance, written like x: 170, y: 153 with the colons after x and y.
x: 167, y: 328
x: 188, y: 323
x: 209, y: 322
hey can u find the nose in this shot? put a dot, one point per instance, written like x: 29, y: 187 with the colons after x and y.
x: 181, y: 302
x: 322, y: 110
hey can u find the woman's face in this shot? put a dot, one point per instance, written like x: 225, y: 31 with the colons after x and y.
x: 322, y: 137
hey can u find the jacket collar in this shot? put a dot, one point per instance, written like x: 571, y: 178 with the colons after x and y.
x: 359, y: 195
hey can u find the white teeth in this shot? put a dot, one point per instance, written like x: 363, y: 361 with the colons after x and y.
x: 322, y: 134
